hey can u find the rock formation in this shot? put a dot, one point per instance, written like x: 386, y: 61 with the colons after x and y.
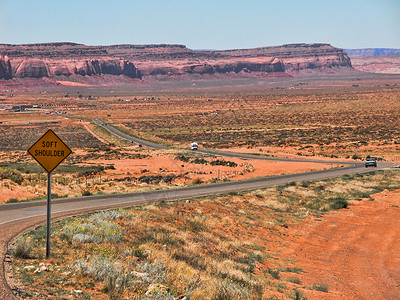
x: 177, y: 59
x: 299, y: 56
x: 66, y: 59
x: 37, y: 68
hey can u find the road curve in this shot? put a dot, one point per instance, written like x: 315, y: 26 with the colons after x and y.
x: 128, y: 137
x: 152, y: 145
x: 15, y: 218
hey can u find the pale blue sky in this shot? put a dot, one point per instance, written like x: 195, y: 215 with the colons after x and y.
x: 203, y: 24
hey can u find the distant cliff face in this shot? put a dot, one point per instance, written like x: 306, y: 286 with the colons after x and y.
x: 299, y: 56
x: 177, y: 59
x: 135, y: 61
x: 37, y: 68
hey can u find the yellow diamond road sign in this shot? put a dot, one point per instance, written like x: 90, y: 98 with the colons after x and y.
x: 49, y: 151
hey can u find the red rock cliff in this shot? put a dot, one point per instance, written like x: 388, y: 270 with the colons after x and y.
x: 65, y: 59
x: 37, y: 68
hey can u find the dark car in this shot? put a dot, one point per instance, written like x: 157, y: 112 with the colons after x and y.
x: 370, y: 162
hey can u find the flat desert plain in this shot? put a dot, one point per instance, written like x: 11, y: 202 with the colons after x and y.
x: 329, y: 239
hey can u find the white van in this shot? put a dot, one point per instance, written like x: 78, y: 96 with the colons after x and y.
x: 194, y: 146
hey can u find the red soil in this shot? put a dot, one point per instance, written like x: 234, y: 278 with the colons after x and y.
x: 355, y: 251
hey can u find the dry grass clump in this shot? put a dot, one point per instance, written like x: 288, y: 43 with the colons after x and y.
x: 22, y: 248
x: 98, y: 228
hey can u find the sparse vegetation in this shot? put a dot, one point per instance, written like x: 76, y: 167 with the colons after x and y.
x: 192, y: 248
x: 221, y: 247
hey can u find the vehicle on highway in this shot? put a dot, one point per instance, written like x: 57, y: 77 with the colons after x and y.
x: 194, y: 146
x: 370, y: 162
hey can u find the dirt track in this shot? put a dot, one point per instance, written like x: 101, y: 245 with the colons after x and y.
x: 355, y: 251
x: 7, y: 233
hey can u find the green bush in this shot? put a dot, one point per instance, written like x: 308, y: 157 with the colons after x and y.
x: 221, y: 162
x: 86, y: 193
x: 12, y: 174
x: 12, y: 200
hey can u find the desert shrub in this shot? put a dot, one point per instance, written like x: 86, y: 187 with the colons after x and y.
x: 86, y: 193
x: 12, y: 200
x: 221, y: 162
x: 17, y: 178
x: 250, y: 261
x: 197, y: 180
x: 292, y: 270
x: 226, y: 290
x: 96, y: 230
x: 116, y: 284
x: 198, y: 160
x: 195, y: 225
x: 110, y: 215
x: 150, y: 273
x: 23, y: 248
x: 85, y: 238
x: 182, y: 157
x: 339, y: 203
x: 193, y: 259
x: 12, y: 174
x: 305, y: 184
x: 274, y: 273
x: 294, y: 280
x: 320, y: 287
x: 297, y: 295
x: 99, y: 268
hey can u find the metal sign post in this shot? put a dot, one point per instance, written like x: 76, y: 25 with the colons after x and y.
x: 49, y: 151
x: 48, y: 215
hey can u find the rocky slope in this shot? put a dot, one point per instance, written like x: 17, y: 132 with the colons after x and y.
x: 61, y: 60
x: 389, y: 64
x: 375, y: 60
